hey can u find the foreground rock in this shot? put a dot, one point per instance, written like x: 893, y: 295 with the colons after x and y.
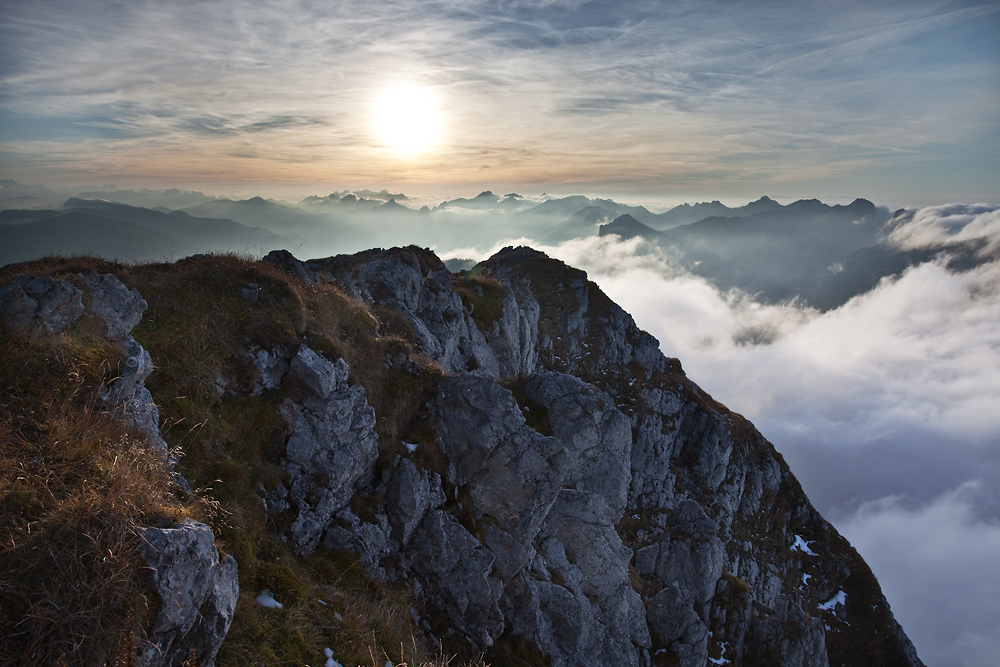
x: 570, y: 496
x: 198, y: 595
x: 594, y: 503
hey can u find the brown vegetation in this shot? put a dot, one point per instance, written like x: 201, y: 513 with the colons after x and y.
x: 76, y: 486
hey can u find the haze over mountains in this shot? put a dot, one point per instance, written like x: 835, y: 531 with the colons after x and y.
x: 820, y: 255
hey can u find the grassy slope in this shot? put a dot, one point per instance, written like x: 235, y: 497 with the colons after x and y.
x: 95, y: 484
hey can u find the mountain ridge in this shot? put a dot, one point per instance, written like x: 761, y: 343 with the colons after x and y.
x: 506, y: 444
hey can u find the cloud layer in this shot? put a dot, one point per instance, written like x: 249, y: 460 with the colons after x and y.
x: 936, y: 562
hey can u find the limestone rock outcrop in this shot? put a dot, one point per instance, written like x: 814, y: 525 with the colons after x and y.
x: 197, y: 591
x: 331, y: 444
x: 595, y: 503
x: 40, y: 301
x: 571, y: 491
x: 418, y: 285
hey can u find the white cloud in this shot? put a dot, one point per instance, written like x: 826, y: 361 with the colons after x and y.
x: 921, y: 351
x: 937, y: 225
x: 937, y: 564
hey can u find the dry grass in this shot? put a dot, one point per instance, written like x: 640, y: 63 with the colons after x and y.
x: 75, y: 486
x: 69, y: 527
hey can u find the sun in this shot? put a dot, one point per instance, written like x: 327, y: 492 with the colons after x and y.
x: 407, y: 119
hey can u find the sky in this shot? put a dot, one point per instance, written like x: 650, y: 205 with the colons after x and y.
x: 898, y: 102
x: 885, y: 408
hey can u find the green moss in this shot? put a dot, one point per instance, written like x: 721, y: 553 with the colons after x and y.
x: 535, y: 415
x: 482, y: 298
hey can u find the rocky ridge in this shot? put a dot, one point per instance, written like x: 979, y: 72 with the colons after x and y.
x: 565, y: 489
x: 593, y: 502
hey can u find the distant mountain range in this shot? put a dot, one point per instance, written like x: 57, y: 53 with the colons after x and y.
x: 772, y: 251
x: 123, y: 232
x: 821, y: 255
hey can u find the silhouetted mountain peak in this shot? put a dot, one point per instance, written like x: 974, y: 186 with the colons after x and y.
x: 628, y: 227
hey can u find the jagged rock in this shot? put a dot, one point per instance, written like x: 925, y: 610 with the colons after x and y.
x: 198, y: 595
x: 287, y: 261
x: 516, y: 483
x: 647, y: 523
x: 119, y: 307
x: 331, y: 444
x: 127, y: 397
x: 410, y: 494
x: 42, y: 301
x: 371, y: 539
x: 595, y: 432
x: 418, y: 285
x: 455, y: 573
x: 675, y: 624
x: 318, y: 374
x: 34, y: 301
x: 580, y: 548
x: 271, y: 367
x: 513, y: 336
x: 789, y: 638
x: 513, y: 473
x: 578, y: 330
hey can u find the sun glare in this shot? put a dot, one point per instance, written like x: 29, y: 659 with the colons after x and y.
x: 407, y: 119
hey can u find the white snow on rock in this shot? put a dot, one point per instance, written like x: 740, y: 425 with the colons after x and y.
x: 839, y: 598
x: 803, y: 546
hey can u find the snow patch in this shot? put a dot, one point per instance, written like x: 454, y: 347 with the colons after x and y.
x: 839, y: 598
x: 803, y: 546
x: 265, y: 599
x: 330, y: 662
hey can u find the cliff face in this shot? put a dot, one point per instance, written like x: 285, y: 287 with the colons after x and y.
x: 554, y: 490
x: 596, y: 503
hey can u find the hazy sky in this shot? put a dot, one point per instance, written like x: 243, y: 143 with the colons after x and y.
x: 898, y: 102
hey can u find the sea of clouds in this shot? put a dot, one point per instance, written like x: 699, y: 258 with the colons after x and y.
x: 887, y: 409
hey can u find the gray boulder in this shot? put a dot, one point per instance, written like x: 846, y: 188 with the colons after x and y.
x: 586, y: 613
x: 676, y: 626
x: 597, y: 434
x: 288, y: 262
x: 417, y: 285
x: 32, y: 301
x: 198, y: 595
x: 410, y: 494
x: 512, y: 473
x: 331, y: 444
x: 117, y: 306
x: 127, y: 397
x: 454, y: 572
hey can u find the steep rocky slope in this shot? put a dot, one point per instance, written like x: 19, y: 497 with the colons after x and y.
x: 508, y: 447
